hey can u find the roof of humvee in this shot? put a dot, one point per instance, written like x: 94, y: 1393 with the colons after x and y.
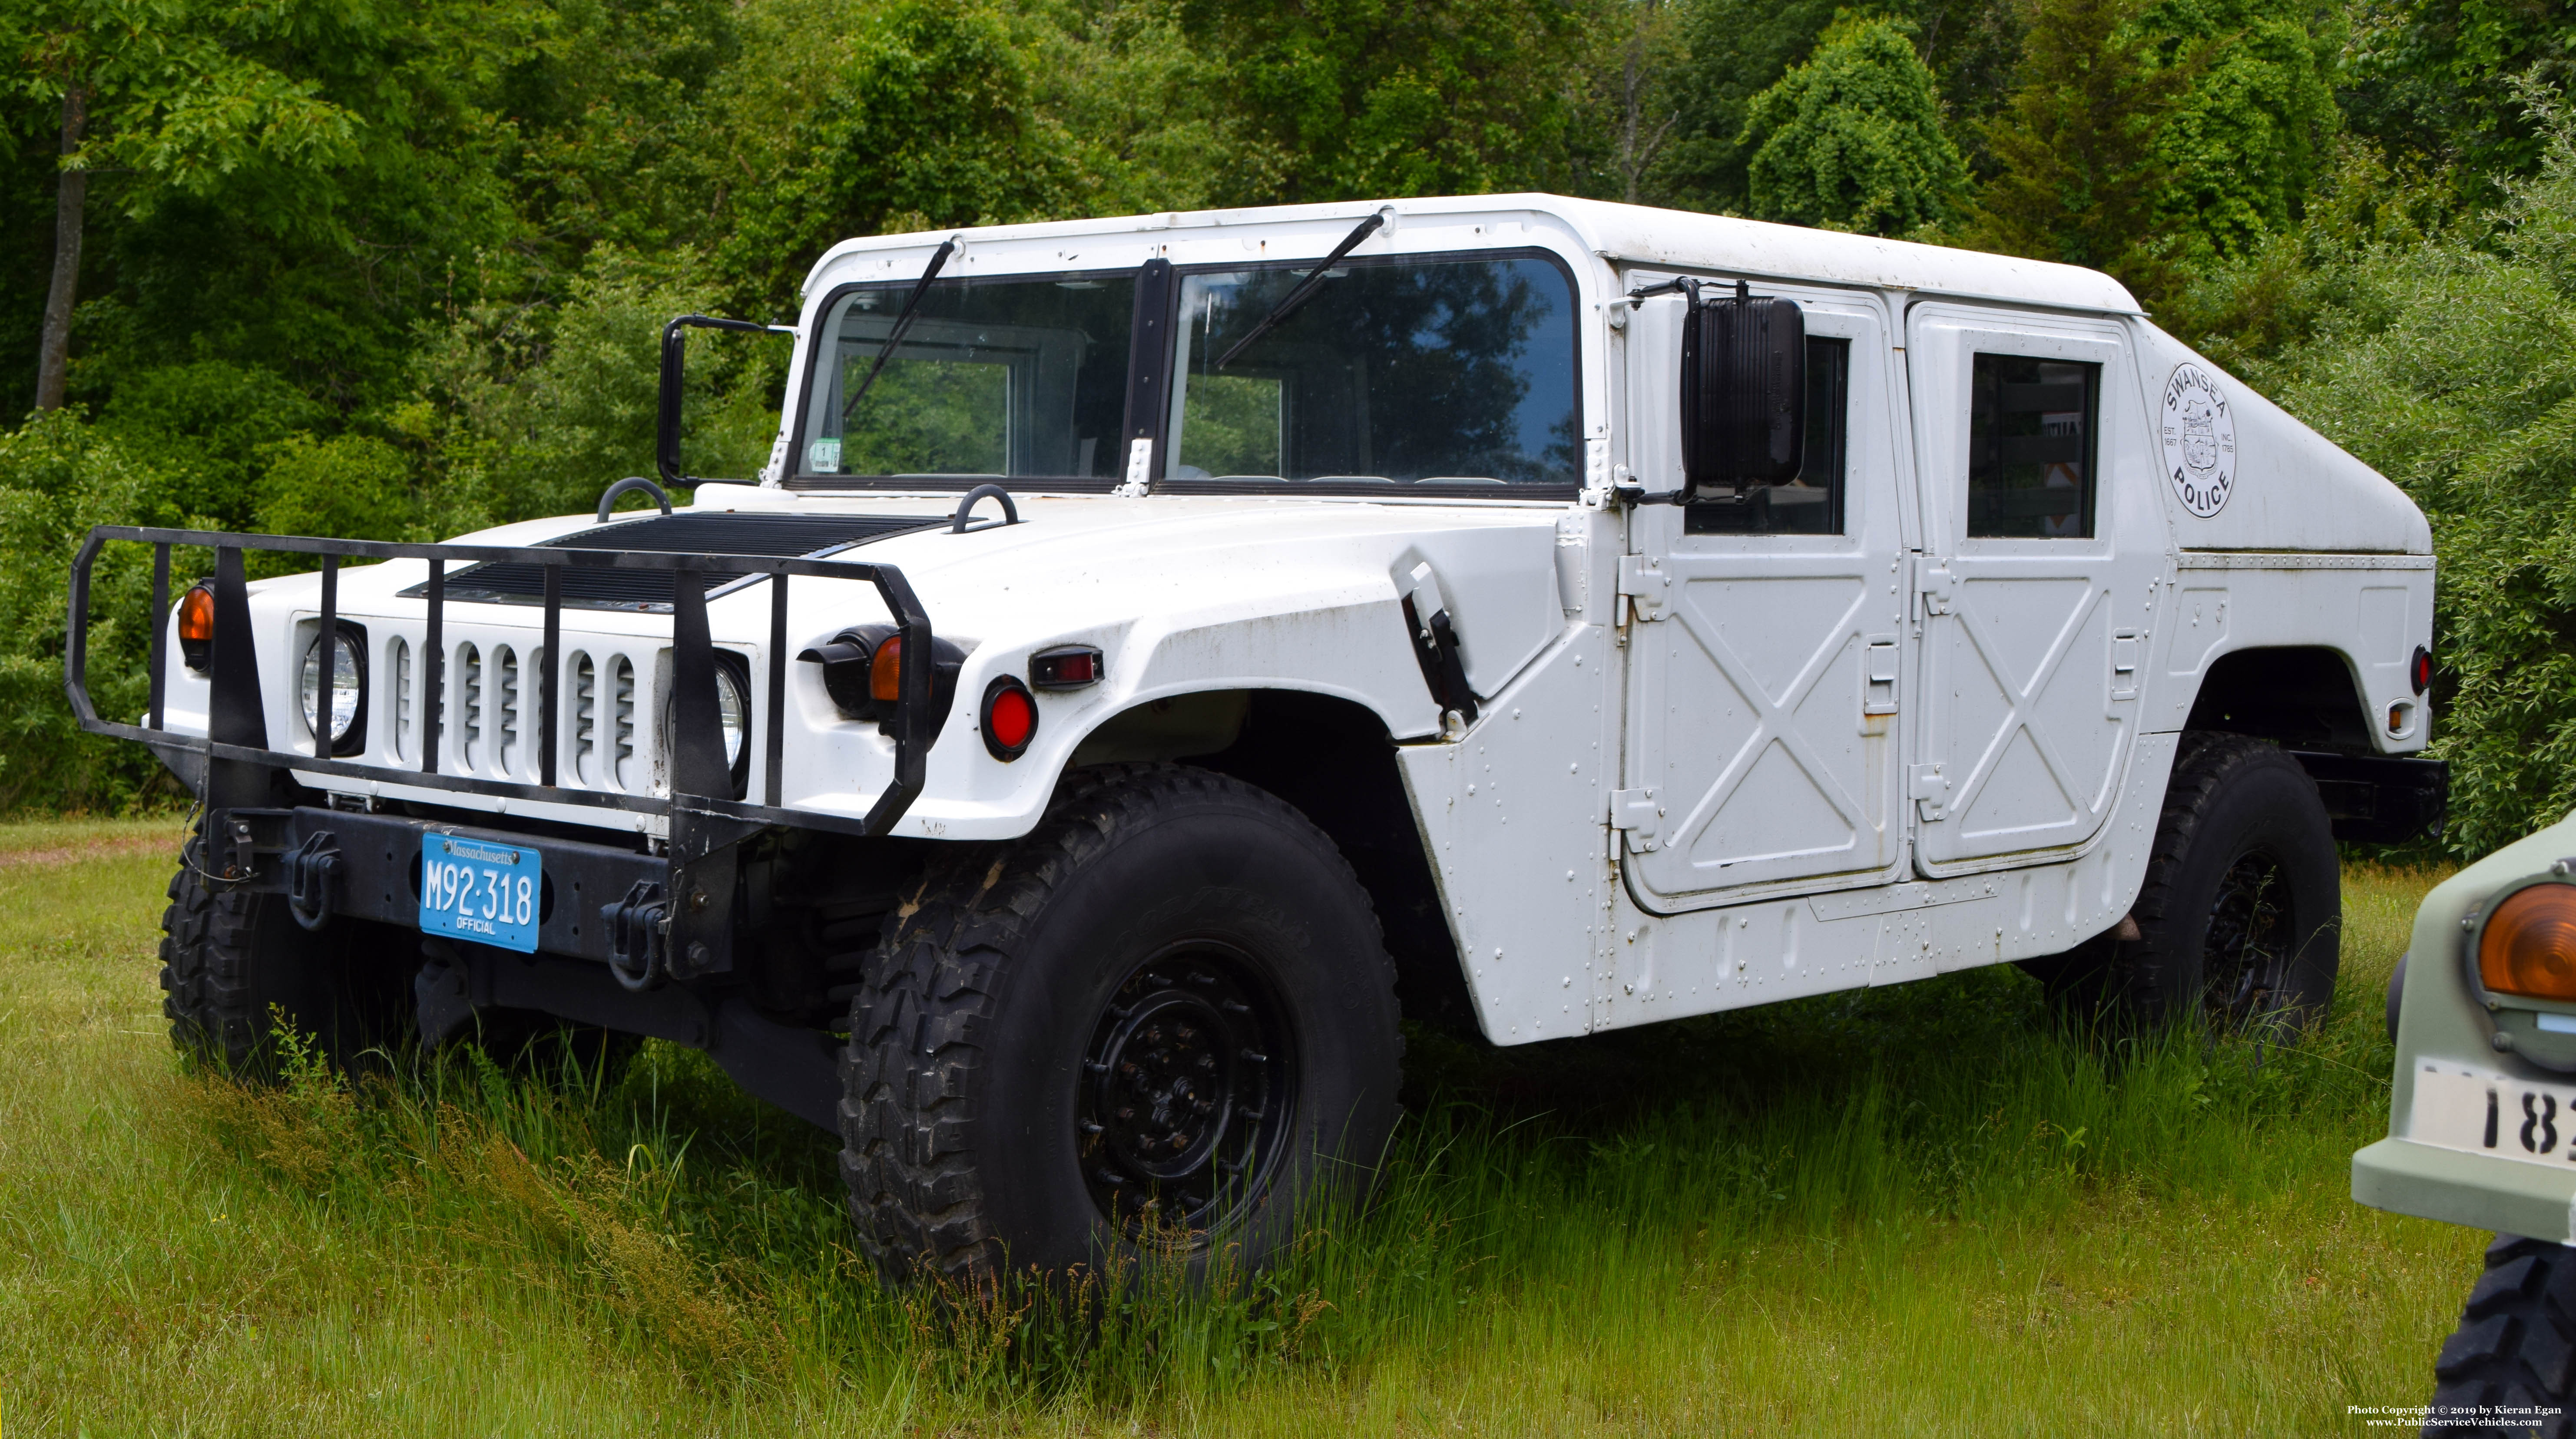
x: 1635, y: 234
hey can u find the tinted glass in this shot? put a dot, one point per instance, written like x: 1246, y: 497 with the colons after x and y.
x: 1006, y: 378
x: 1438, y: 372
x: 1811, y: 504
x: 2030, y: 448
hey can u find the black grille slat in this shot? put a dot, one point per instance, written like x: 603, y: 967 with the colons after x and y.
x: 778, y: 536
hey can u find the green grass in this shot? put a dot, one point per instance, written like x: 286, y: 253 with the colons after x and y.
x: 1914, y: 1211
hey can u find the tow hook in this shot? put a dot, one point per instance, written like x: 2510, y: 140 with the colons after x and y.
x: 313, y: 879
x: 639, y: 936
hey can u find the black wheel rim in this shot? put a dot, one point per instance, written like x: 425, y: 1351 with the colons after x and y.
x: 2245, y: 961
x: 1187, y: 1094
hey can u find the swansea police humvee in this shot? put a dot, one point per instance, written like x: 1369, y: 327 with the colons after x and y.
x: 1161, y: 652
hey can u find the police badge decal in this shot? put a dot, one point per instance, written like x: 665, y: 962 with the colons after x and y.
x: 2200, y: 441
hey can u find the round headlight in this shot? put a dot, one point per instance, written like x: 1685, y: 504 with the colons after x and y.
x: 348, y: 690
x: 733, y: 712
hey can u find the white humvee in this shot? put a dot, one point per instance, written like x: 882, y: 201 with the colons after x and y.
x: 1528, y: 614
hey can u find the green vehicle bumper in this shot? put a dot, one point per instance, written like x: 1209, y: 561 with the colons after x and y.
x: 2505, y: 1195
x: 2440, y: 1023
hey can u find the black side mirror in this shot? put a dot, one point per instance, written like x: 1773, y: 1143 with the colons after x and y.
x: 666, y: 447
x: 1744, y: 391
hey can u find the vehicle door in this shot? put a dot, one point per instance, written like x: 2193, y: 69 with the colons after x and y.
x: 2042, y: 548
x: 1763, y: 644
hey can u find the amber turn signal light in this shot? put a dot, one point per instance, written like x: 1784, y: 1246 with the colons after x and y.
x: 197, y: 627
x: 2529, y: 944
x: 885, y: 672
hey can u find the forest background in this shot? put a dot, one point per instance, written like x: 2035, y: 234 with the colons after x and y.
x: 396, y: 270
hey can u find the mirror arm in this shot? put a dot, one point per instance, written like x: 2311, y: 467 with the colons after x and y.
x: 666, y: 427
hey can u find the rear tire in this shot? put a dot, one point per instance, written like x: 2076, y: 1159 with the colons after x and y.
x: 1160, y: 1022
x: 2240, y: 916
x: 229, y: 956
x: 2515, y: 1347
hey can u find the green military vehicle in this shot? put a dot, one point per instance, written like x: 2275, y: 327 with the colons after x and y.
x: 2482, y: 1125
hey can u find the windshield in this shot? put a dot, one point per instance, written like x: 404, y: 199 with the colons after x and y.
x: 1435, y: 372
x: 1442, y: 372
x: 1012, y: 378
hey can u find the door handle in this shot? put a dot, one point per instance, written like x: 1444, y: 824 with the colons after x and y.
x: 1878, y: 658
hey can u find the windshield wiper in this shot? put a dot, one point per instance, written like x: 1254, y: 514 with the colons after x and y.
x: 1306, y: 288
x: 902, y: 322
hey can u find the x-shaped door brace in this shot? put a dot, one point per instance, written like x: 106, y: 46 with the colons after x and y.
x: 2016, y: 717
x: 1771, y: 721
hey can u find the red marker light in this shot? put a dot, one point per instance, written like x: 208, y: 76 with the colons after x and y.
x: 1068, y: 668
x: 1010, y: 718
x: 2420, y: 672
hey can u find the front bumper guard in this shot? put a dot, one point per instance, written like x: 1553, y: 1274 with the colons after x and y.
x: 244, y: 783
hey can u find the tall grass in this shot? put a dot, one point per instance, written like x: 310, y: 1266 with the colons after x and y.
x: 1922, y: 1210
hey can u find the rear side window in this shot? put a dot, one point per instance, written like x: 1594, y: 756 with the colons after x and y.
x: 1811, y: 504
x: 2031, y: 425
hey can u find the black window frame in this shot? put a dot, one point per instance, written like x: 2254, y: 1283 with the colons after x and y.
x: 806, y: 481
x: 2089, y: 504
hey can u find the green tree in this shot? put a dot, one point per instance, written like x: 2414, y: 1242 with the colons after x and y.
x: 2251, y: 117
x: 929, y: 121
x: 2078, y: 177
x: 1358, y: 98
x: 303, y: 126
x: 1736, y: 49
x: 1852, y: 139
x: 2425, y: 81
x: 2450, y: 365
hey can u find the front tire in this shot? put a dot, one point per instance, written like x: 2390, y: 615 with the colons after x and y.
x: 234, y: 963
x: 1159, y: 1023
x: 2239, y: 918
x: 2515, y: 1347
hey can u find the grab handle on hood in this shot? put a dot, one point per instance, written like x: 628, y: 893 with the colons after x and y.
x: 1010, y: 512
x: 631, y: 482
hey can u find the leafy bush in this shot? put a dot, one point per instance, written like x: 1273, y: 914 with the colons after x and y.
x: 59, y: 476
x: 1852, y: 139
x: 2450, y: 365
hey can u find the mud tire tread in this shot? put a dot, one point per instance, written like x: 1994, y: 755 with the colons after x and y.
x: 910, y: 1097
x: 206, y: 968
x: 2516, y: 1343
x: 2131, y: 982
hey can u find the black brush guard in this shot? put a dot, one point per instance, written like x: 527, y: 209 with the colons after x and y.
x: 242, y: 774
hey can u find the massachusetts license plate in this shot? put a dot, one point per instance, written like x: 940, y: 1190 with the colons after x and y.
x: 481, y: 890
x: 2490, y: 1114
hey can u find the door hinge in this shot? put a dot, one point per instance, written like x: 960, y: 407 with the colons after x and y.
x: 1935, y: 590
x: 1648, y: 588
x: 1929, y: 788
x: 1635, y: 811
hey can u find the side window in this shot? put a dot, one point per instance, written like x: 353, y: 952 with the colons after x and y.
x: 1812, y: 504
x: 2031, y: 424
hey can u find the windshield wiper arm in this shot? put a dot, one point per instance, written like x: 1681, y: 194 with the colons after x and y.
x: 1290, y: 302
x: 902, y: 322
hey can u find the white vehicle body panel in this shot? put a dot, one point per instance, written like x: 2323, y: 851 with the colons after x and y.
x: 1709, y: 770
